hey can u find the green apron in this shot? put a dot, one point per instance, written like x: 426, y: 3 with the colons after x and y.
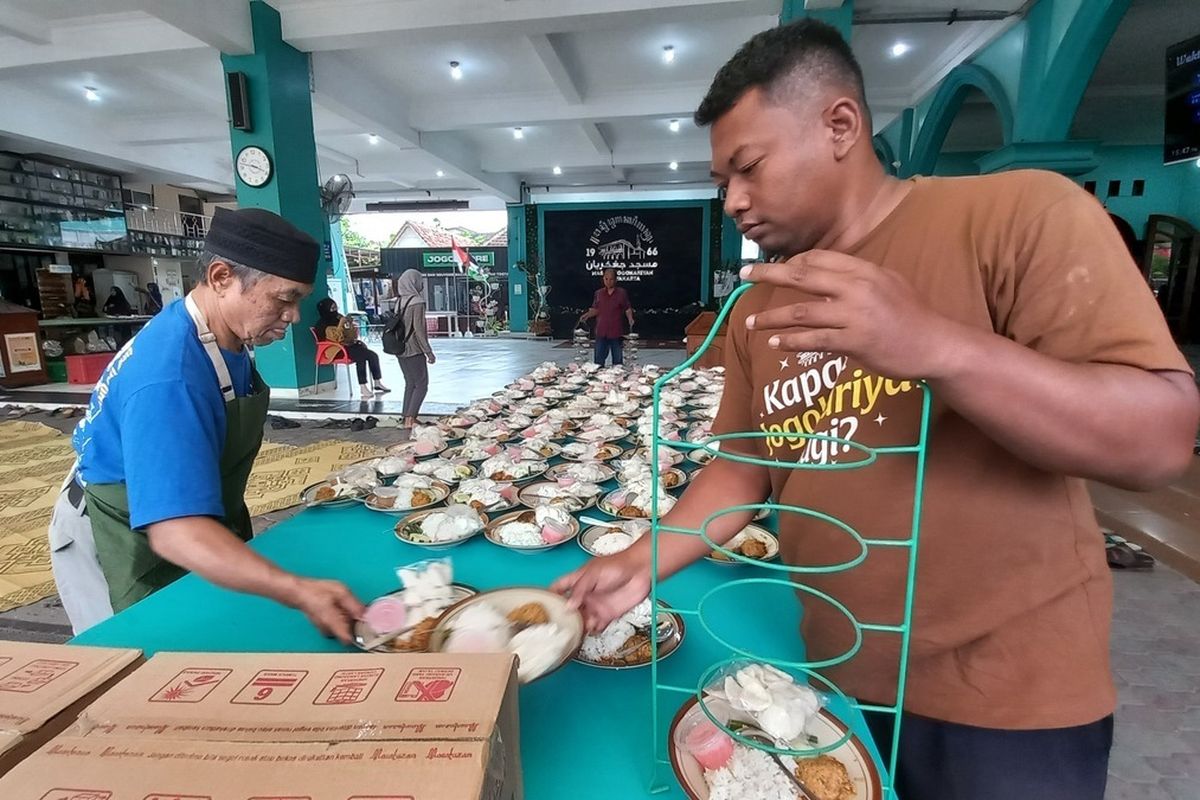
x: 130, y: 566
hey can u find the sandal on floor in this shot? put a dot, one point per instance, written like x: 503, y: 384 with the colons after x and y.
x: 1122, y: 556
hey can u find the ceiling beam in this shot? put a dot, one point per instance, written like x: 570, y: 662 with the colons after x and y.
x: 26, y: 27
x: 632, y: 155
x: 69, y: 127
x: 500, y: 111
x: 124, y: 40
x: 352, y: 24
x: 822, y: 5
x: 221, y: 24
x: 596, y: 136
x: 548, y: 53
x: 341, y: 87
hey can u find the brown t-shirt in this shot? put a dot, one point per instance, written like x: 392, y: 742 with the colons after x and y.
x: 1013, y: 596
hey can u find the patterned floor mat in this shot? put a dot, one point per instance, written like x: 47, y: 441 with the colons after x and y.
x: 35, y: 458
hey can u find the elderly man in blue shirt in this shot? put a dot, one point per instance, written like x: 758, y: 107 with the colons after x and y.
x: 171, y: 434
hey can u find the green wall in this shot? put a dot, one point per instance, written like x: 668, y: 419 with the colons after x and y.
x: 1169, y: 190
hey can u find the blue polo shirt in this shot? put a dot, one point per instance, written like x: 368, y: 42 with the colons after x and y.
x: 156, y: 422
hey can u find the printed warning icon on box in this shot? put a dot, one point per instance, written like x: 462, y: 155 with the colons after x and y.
x: 77, y: 794
x: 348, y: 686
x: 35, y: 675
x: 428, y: 685
x: 190, y: 685
x: 270, y: 687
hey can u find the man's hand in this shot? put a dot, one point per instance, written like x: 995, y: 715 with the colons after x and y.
x: 605, y: 588
x: 859, y: 309
x: 431, y: 358
x: 329, y: 606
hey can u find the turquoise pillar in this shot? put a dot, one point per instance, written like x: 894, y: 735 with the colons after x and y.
x: 518, y: 287
x: 277, y: 84
x: 841, y: 17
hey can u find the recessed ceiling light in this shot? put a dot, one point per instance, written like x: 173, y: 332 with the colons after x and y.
x: 441, y: 173
x: 674, y: 165
x: 668, y: 54
x: 145, y: 208
x: 518, y: 133
x: 373, y: 138
x: 455, y: 71
x: 91, y: 94
x: 900, y: 48
x: 558, y: 170
x: 674, y: 126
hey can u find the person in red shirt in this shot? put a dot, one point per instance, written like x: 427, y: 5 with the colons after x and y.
x: 607, y: 306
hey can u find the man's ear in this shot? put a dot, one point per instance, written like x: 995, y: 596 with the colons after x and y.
x: 844, y: 121
x: 220, y: 276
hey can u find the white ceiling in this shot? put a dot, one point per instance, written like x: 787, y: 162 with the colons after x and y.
x: 584, y: 79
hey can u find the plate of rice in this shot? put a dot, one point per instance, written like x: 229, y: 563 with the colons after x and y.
x: 533, y: 531
x: 626, y: 642
x: 591, y: 451
x: 442, y: 528
x: 752, y: 542
x: 734, y: 771
x: 484, y: 494
x: 567, y: 493
x: 416, y: 640
x: 410, y: 493
x: 533, y: 623
x: 607, y: 540
x: 589, y: 471
x: 330, y: 494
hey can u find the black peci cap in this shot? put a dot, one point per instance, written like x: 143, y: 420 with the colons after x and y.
x: 265, y: 241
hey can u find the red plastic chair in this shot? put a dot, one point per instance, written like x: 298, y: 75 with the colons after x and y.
x: 331, y: 354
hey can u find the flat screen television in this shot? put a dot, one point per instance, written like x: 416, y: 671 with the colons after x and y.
x: 1181, y: 137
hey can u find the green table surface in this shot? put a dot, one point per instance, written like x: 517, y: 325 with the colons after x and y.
x: 585, y: 732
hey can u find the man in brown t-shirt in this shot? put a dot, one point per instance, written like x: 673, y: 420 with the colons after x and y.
x: 1048, y: 360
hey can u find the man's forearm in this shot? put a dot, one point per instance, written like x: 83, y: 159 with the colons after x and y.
x: 722, y: 484
x: 206, y: 547
x: 1118, y: 424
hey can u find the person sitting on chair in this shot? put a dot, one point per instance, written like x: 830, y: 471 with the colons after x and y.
x: 333, y: 327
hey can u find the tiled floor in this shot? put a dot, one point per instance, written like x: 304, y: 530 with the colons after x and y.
x: 466, y: 369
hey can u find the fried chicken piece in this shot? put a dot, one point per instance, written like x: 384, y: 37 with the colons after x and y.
x: 529, y: 614
x: 420, y: 497
x: 826, y: 777
x: 417, y: 641
x: 325, y: 494
x: 753, y: 548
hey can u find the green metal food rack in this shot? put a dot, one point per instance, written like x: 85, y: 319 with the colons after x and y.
x: 784, y: 576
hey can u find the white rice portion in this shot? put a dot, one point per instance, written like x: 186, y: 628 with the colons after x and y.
x: 750, y: 775
x: 611, y: 543
x: 607, y: 642
x: 521, y: 534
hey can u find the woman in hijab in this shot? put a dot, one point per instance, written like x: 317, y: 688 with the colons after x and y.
x: 116, y: 305
x: 154, y: 303
x: 416, y: 354
x: 333, y: 327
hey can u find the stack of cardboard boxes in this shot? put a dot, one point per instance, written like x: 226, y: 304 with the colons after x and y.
x: 289, y: 725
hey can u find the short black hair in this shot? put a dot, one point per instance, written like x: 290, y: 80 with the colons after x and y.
x: 607, y: 270
x: 783, y: 60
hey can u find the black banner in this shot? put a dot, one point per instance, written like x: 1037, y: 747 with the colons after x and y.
x: 657, y: 253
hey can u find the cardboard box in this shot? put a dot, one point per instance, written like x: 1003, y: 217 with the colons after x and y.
x: 43, y: 687
x: 119, y: 768
x: 454, y: 715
